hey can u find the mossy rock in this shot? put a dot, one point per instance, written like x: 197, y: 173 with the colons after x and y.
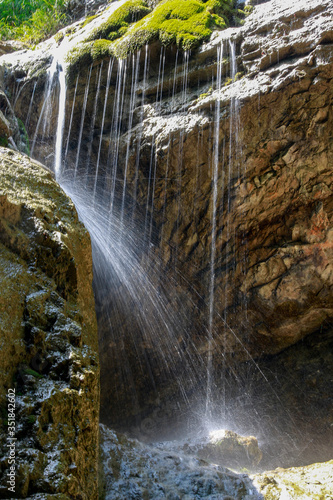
x: 186, y: 23
x: 86, y: 53
x: 117, y: 24
x: 48, y: 334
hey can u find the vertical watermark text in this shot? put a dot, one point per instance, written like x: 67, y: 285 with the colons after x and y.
x: 11, y: 440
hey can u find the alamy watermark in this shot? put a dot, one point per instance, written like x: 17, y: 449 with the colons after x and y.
x: 11, y: 440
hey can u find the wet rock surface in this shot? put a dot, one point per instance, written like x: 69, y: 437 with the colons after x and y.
x: 313, y: 482
x: 220, y: 447
x: 273, y: 234
x: 229, y: 449
x: 136, y: 470
x: 49, y: 337
x: 273, y: 266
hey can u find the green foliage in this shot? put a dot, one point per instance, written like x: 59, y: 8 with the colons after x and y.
x: 30, y: 20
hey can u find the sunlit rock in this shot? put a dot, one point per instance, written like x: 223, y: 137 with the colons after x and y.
x: 48, y: 337
x: 134, y: 469
x: 231, y: 450
x: 139, y: 470
x: 314, y: 481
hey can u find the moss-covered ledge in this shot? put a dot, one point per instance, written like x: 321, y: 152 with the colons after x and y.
x: 184, y: 23
x: 48, y: 337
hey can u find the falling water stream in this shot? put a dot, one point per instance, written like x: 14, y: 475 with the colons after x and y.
x: 117, y: 246
x: 216, y: 155
x: 105, y: 188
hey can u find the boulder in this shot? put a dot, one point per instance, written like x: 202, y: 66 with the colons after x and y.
x: 137, y: 470
x: 49, y: 367
x: 231, y: 450
x: 314, y: 481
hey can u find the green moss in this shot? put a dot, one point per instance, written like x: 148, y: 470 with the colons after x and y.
x: 31, y: 419
x: 248, y: 9
x: 205, y: 94
x: 186, y: 23
x: 119, y: 21
x: 100, y: 49
x: 3, y: 141
x: 86, y: 53
x: 59, y: 37
x: 239, y: 75
x: 88, y: 20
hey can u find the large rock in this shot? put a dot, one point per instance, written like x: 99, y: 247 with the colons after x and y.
x: 313, y: 482
x: 48, y: 338
x: 135, y: 470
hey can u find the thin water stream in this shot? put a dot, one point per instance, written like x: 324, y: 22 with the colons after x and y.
x: 147, y: 327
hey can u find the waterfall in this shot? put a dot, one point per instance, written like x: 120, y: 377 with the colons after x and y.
x: 111, y: 168
x: 117, y: 117
x: 216, y: 156
x: 71, y: 118
x: 61, y: 121
x: 92, y: 122
x: 83, y: 114
x: 27, y: 121
x: 145, y: 72
x: 110, y: 67
x: 134, y: 85
x: 44, y: 116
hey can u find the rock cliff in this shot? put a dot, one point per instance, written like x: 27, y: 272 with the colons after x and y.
x: 221, y: 157
x: 48, y: 335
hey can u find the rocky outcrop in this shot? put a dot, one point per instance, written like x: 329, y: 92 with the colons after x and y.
x: 314, y: 481
x: 169, y: 475
x: 230, y: 187
x: 172, y: 474
x: 12, y: 131
x: 273, y: 257
x: 48, y: 361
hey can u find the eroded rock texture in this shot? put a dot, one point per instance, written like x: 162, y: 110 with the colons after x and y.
x: 48, y: 337
x: 239, y: 191
x: 175, y: 474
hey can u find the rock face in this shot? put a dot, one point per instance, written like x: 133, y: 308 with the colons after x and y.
x: 177, y: 475
x: 314, y: 481
x: 169, y: 475
x: 12, y: 131
x: 221, y: 158
x: 48, y: 336
x: 229, y: 449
